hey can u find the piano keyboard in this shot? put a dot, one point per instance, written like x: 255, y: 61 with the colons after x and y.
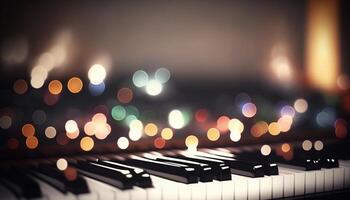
x: 177, y: 175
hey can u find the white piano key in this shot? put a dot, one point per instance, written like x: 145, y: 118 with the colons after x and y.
x: 154, y: 193
x: 288, y: 183
x: 319, y: 181
x: 169, y: 188
x: 105, y: 191
x: 6, y: 194
x: 137, y: 193
x: 241, y: 187
x: 213, y: 190
x: 338, y: 178
x: 299, y: 180
x: 265, y: 187
x: 346, y: 165
x: 185, y: 191
x: 52, y: 193
x: 198, y: 191
x: 310, y: 182
x: 253, y: 188
x: 328, y: 179
x: 277, y: 186
x: 228, y: 189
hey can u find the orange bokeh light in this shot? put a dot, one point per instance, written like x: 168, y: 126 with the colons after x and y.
x: 75, y: 85
x: 55, y: 87
x: 32, y: 142
x: 125, y: 95
x: 28, y: 130
x: 20, y: 86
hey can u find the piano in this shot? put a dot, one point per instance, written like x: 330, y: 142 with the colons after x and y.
x: 174, y: 100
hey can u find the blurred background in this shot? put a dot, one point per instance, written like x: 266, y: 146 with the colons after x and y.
x: 93, y: 76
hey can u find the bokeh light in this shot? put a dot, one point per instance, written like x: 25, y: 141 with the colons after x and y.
x: 87, y: 143
x: 71, y: 174
x: 39, y: 117
x: 32, y: 142
x: 5, y: 122
x: 97, y: 74
x: 151, y: 129
x: 258, y: 129
x: 50, y: 99
x: 235, y: 136
x: 38, y: 76
x: 118, y: 113
x: 318, y: 145
x: 341, y: 129
x: 50, y: 132
x: 191, y: 142
x: 28, y: 130
x: 71, y: 126
x: 12, y: 143
x: 20, y: 86
x: 249, y: 110
x: 307, y: 145
x: 222, y: 123
x: 285, y: 123
x: 125, y: 95
x: 274, y: 128
x: 213, y: 134
x: 140, y: 78
x: 73, y: 135
x: 123, y: 143
x: 235, y: 126
x: 265, y: 150
x: 201, y: 115
x: 55, y: 87
x: 75, y: 85
x: 154, y: 88
x: 167, y: 134
x: 300, y: 105
x: 288, y: 110
x: 98, y: 89
x: 136, y: 129
x: 61, y: 164
x: 285, y: 147
x: 159, y: 143
x: 176, y: 119
x: 99, y: 118
x: 162, y: 75
x: 326, y: 117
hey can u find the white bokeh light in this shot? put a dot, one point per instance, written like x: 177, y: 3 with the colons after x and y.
x: 154, y: 87
x: 176, y: 119
x: 97, y: 74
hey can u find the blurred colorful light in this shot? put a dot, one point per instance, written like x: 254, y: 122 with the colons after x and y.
x: 140, y: 78
x: 249, y: 110
x: 75, y: 85
x: 213, y: 134
x: 176, y: 119
x: 123, y: 143
x: 300, y: 105
x: 97, y: 74
x: 167, y: 134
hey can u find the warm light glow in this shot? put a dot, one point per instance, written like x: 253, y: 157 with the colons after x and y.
x: 249, y: 110
x: 300, y: 105
x: 20, y: 86
x: 136, y: 129
x: 159, y: 143
x: 285, y: 123
x: 50, y: 132
x: 75, y: 85
x: 86, y: 143
x: 28, y: 130
x: 259, y: 129
x: 213, y: 134
x: 32, y: 142
x: 99, y: 118
x: 318, y: 145
x: 97, y: 74
x: 222, y: 123
x: 71, y: 126
x: 235, y: 136
x: 176, y: 119
x: 191, y: 142
x: 89, y: 128
x: 235, y: 126
x: 167, y: 134
x: 151, y: 129
x: 123, y: 143
x: 285, y: 147
x: 154, y: 87
x: 322, y: 43
x: 201, y: 115
x: 341, y: 130
x: 125, y: 95
x: 62, y: 164
x: 55, y: 87
x: 265, y: 150
x: 274, y: 128
x: 307, y: 145
x: 73, y: 135
x: 38, y: 76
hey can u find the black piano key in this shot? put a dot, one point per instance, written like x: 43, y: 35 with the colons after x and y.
x: 58, y: 179
x: 142, y: 178
x: 222, y: 172
x: 238, y: 167
x: 205, y: 172
x: 329, y: 162
x: 120, y: 178
x: 176, y: 172
x: 21, y: 184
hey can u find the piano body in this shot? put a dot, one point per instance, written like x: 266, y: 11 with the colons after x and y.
x: 178, y: 100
